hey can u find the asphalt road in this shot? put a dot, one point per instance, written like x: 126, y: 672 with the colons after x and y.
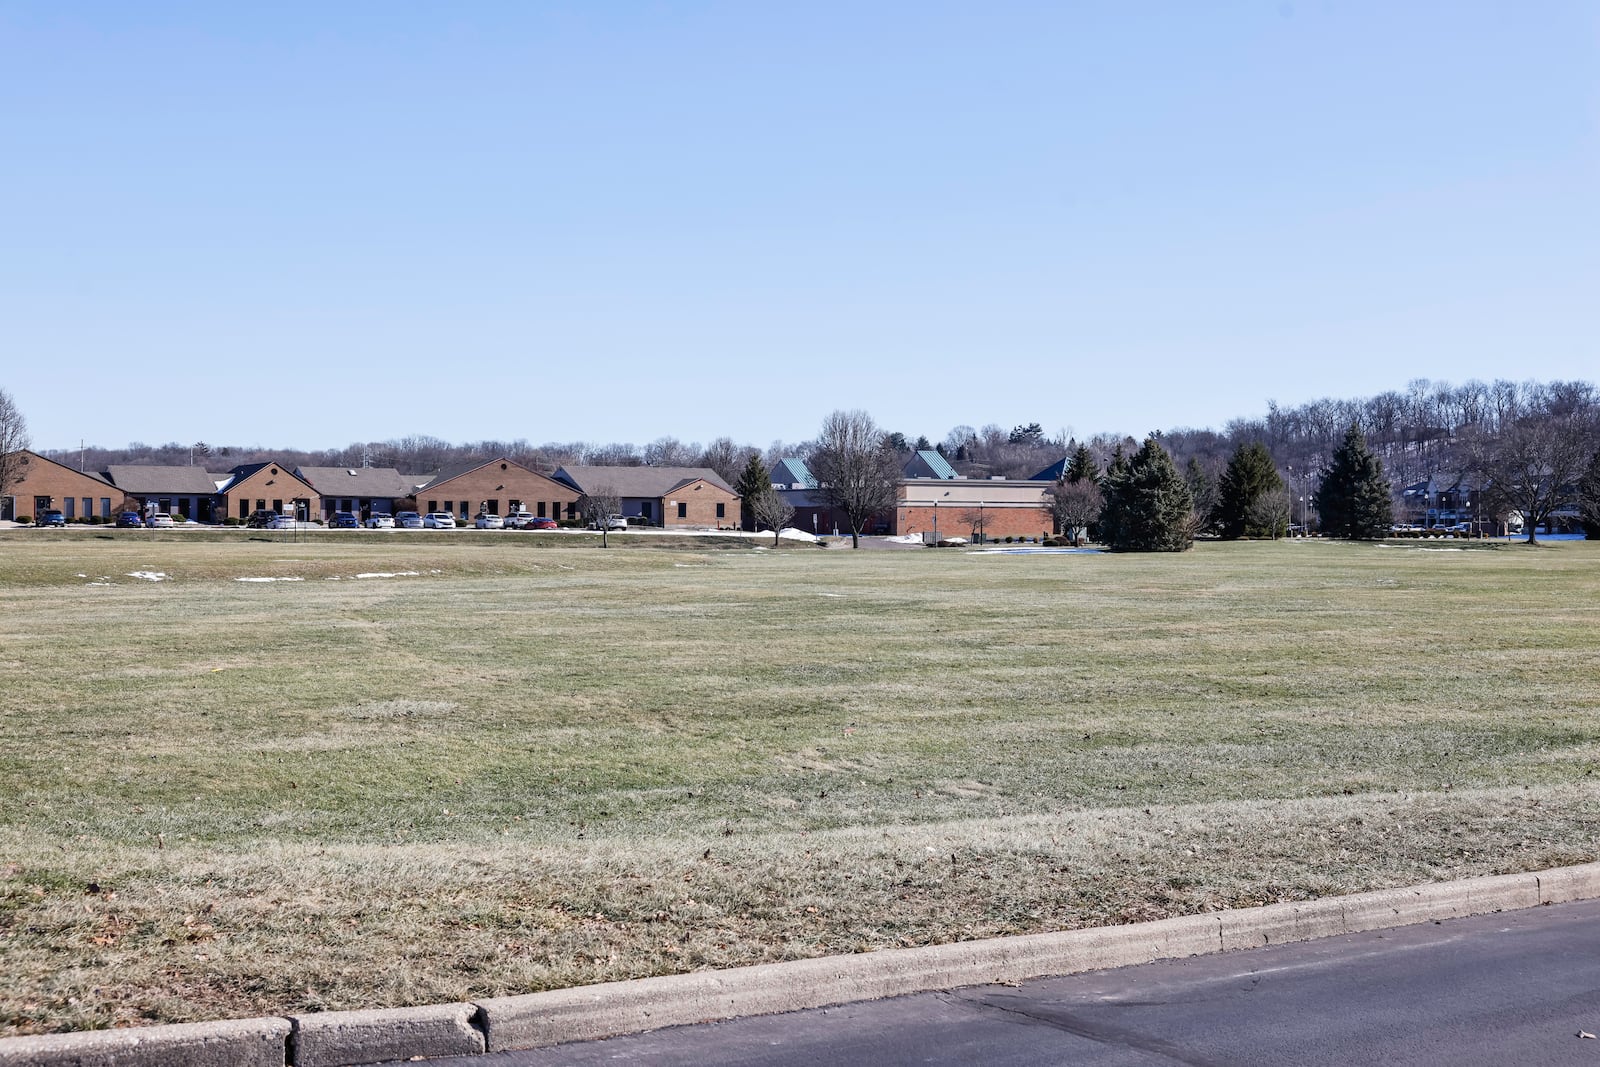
x: 1513, y: 988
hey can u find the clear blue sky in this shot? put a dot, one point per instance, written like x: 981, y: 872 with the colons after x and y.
x: 304, y: 225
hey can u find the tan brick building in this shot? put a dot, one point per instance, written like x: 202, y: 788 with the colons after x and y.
x: 686, y: 497
x: 496, y: 487
x: 43, y: 484
x: 266, y: 487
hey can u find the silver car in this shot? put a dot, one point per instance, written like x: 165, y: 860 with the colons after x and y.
x: 439, y: 520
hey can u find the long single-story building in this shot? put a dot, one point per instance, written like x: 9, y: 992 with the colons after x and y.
x: 686, y: 497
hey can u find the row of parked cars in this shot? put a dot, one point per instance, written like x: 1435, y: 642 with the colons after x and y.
x: 439, y: 520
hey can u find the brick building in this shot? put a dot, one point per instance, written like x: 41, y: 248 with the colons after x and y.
x: 266, y: 487
x: 962, y: 508
x: 496, y: 487
x: 687, y: 497
x: 41, y: 485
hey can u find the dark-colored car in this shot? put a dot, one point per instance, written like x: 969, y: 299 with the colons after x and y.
x: 129, y: 518
x: 53, y: 518
x: 346, y: 520
x: 260, y: 520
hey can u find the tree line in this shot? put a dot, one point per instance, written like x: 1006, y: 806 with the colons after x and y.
x: 1531, y: 445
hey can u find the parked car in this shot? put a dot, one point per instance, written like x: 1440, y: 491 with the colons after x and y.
x: 261, y: 520
x: 408, y: 520
x: 284, y: 522
x: 162, y: 519
x: 616, y: 522
x: 52, y: 518
x: 345, y: 520
x: 129, y: 518
x: 518, y: 520
x: 489, y: 522
x: 542, y: 523
x: 439, y: 520
x: 381, y: 522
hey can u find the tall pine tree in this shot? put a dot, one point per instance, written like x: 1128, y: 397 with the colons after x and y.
x: 754, y: 480
x: 1354, y: 497
x: 1250, y: 477
x: 1148, y: 506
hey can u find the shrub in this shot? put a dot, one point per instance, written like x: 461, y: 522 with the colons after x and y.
x: 25, y: 520
x: 230, y: 521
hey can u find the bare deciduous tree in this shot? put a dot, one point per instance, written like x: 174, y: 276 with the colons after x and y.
x: 856, y: 472
x: 770, y: 509
x: 13, y: 440
x: 1075, y: 505
x: 1270, y: 511
x: 1532, y: 465
x: 600, y: 505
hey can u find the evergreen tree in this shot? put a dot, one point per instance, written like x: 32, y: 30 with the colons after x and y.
x: 1354, y: 497
x: 1147, y: 503
x: 754, y: 480
x: 1251, y: 476
x: 1080, y: 466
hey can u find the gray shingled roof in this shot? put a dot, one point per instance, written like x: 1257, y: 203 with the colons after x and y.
x: 648, y: 482
x: 358, y: 481
x: 143, y: 479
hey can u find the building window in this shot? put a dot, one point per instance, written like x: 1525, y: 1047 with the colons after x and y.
x: 683, y: 509
x: 68, y: 504
x: 433, y: 505
x: 88, y: 506
x: 722, y: 511
x: 105, y: 507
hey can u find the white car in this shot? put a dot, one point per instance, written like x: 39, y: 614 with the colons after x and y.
x: 408, y: 520
x: 490, y: 522
x: 381, y: 522
x: 161, y: 518
x: 616, y: 522
x: 439, y: 520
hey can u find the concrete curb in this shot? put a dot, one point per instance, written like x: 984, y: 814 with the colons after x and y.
x: 346, y: 1039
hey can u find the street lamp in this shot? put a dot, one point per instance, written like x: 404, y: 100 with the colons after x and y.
x: 936, y: 517
x: 983, y: 529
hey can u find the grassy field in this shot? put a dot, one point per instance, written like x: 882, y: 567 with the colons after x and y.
x: 419, y: 767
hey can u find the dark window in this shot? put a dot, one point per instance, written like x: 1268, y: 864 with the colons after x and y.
x: 683, y: 509
x: 722, y: 511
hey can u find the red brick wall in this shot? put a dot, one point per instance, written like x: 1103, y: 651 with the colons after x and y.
x: 999, y: 521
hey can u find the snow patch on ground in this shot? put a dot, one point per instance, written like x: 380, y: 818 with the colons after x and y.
x: 149, y: 576
x: 1419, y: 548
x: 290, y: 578
x: 837, y: 596
x: 389, y: 574
x: 790, y: 533
x: 905, y: 539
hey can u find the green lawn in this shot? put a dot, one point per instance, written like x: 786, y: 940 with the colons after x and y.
x: 505, y: 762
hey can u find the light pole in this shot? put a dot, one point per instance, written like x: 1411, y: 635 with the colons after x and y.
x: 936, y: 517
x: 983, y: 529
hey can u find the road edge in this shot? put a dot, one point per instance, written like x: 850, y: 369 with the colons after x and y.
x: 553, y: 1017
